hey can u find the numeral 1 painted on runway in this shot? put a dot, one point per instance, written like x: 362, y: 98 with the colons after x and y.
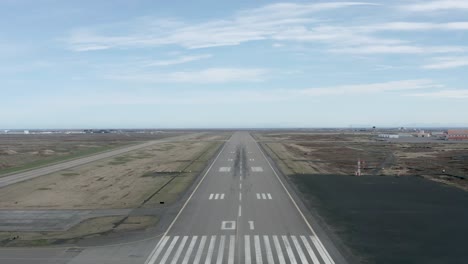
x: 251, y: 225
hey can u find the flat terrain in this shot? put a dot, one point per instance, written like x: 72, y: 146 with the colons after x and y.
x: 338, y: 153
x: 405, y: 209
x: 118, y: 194
x: 19, y: 152
x: 391, y: 219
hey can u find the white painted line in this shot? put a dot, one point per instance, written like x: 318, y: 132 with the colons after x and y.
x: 228, y: 225
x: 263, y: 196
x: 309, y: 250
x: 153, y: 256
x: 169, y: 250
x: 291, y: 256
x: 219, y: 260
x: 189, y: 250
x: 240, y: 196
x: 258, y: 196
x: 232, y: 241
x: 240, y: 186
x: 240, y: 210
x: 210, y: 250
x: 256, y: 169
x: 211, y: 196
x: 329, y: 259
x: 222, y: 196
x: 269, y: 253
x: 179, y: 250
x: 200, y: 250
x: 299, y: 250
x: 247, y: 250
x: 216, y: 196
x: 279, y: 251
x: 258, y: 250
x: 225, y: 169
x: 269, y: 196
x: 159, y: 249
x: 321, y: 250
x: 251, y: 225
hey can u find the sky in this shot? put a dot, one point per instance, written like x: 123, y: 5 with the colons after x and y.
x: 229, y: 64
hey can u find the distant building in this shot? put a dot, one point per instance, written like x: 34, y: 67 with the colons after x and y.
x: 453, y: 134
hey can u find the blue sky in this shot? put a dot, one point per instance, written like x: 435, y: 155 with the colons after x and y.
x: 181, y: 64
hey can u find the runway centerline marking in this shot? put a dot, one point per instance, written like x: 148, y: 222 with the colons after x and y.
x: 240, y: 210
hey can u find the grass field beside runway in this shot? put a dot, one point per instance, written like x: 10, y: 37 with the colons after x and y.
x: 391, y: 219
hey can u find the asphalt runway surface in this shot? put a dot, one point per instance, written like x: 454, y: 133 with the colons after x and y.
x: 240, y: 211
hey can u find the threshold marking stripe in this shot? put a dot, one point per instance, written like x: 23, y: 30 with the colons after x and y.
x: 299, y: 250
x: 189, y: 250
x: 222, y: 196
x: 318, y: 246
x: 210, y: 250
x: 258, y: 196
x: 219, y: 260
x: 291, y: 256
x: 179, y: 250
x: 160, y: 248
x: 269, y: 253
x: 247, y: 250
x: 216, y: 196
x: 309, y: 250
x: 258, y: 250
x: 169, y: 249
x: 232, y: 242
x: 211, y: 196
x: 279, y: 251
x: 269, y: 196
x: 200, y: 249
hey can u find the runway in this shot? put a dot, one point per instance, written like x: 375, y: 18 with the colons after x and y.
x: 240, y: 212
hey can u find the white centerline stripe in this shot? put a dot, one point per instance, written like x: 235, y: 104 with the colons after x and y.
x: 247, y: 250
x: 291, y: 256
x: 240, y: 210
x: 189, y: 250
x: 240, y: 196
x: 258, y: 250
x: 268, y: 250
x: 219, y: 260
x: 179, y: 250
x: 263, y: 196
x: 279, y: 251
x: 222, y: 196
x: 299, y: 250
x: 216, y: 196
x: 269, y: 196
x: 200, y: 249
x: 169, y: 249
x: 159, y: 249
x: 240, y: 185
x: 211, y: 196
x: 309, y: 250
x: 210, y: 250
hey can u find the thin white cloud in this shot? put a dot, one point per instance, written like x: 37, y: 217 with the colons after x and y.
x: 444, y: 94
x: 398, y: 49
x: 447, y: 63
x: 249, y: 25
x: 414, y: 26
x: 210, y: 75
x: 393, y: 86
x: 426, y: 6
x: 179, y: 60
